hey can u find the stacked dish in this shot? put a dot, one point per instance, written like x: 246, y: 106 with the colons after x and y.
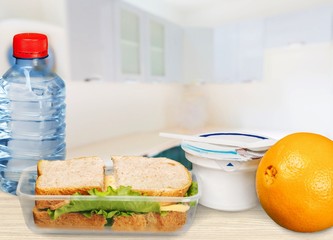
x: 227, y: 172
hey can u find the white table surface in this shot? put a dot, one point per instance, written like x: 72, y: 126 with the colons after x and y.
x: 252, y: 224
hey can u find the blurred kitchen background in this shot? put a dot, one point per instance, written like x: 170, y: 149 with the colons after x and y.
x: 140, y: 66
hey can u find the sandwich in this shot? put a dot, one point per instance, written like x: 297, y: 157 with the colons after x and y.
x: 132, y: 182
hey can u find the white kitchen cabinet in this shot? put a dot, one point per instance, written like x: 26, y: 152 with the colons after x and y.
x: 90, y: 39
x: 128, y: 42
x: 198, y: 54
x: 163, y: 50
x: 226, y: 55
x: 238, y: 52
x: 304, y: 27
x: 156, y: 48
x: 116, y: 41
x: 174, y: 53
x: 250, y: 51
x: 145, y: 46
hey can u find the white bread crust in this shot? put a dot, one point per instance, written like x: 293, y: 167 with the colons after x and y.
x: 66, y: 177
x: 152, y: 176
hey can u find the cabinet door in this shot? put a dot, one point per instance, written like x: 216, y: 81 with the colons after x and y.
x: 129, y: 41
x: 155, y: 52
x: 251, y: 51
x: 88, y: 44
x: 311, y: 26
x: 226, y: 56
x: 145, y: 46
x: 163, y: 54
x: 238, y: 55
x: 174, y: 53
x: 198, y: 54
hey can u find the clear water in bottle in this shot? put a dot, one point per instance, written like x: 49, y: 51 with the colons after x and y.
x: 32, y: 118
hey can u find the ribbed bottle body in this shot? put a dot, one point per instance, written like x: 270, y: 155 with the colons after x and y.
x: 32, y: 118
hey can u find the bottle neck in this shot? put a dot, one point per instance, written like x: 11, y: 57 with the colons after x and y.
x: 34, y: 62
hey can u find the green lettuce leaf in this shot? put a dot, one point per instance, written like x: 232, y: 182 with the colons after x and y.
x: 105, y: 207
x: 109, y: 209
x: 121, y: 191
x: 193, y: 190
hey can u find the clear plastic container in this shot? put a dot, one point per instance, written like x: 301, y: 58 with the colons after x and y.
x: 27, y: 197
x: 32, y: 103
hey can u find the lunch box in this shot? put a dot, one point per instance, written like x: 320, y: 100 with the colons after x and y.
x: 28, y: 198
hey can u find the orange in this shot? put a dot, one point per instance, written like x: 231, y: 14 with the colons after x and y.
x: 294, y: 182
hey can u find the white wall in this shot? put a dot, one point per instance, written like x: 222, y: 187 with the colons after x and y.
x: 56, y: 36
x: 49, y: 11
x: 158, y: 8
x: 45, y: 16
x: 220, y: 12
x: 295, y: 95
x: 98, y: 111
x: 21, y: 9
x: 213, y: 13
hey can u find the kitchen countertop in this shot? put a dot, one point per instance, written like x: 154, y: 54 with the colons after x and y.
x: 252, y: 224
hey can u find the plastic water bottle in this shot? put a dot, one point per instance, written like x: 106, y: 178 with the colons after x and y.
x: 32, y: 110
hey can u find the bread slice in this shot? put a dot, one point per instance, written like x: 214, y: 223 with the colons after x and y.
x: 66, y: 177
x: 152, y: 176
x: 68, y: 220
x: 150, y: 222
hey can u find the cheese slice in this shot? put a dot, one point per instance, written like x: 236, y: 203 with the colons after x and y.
x: 109, y: 180
x: 175, y: 208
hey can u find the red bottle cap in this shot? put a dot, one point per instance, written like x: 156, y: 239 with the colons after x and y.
x: 30, y: 45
